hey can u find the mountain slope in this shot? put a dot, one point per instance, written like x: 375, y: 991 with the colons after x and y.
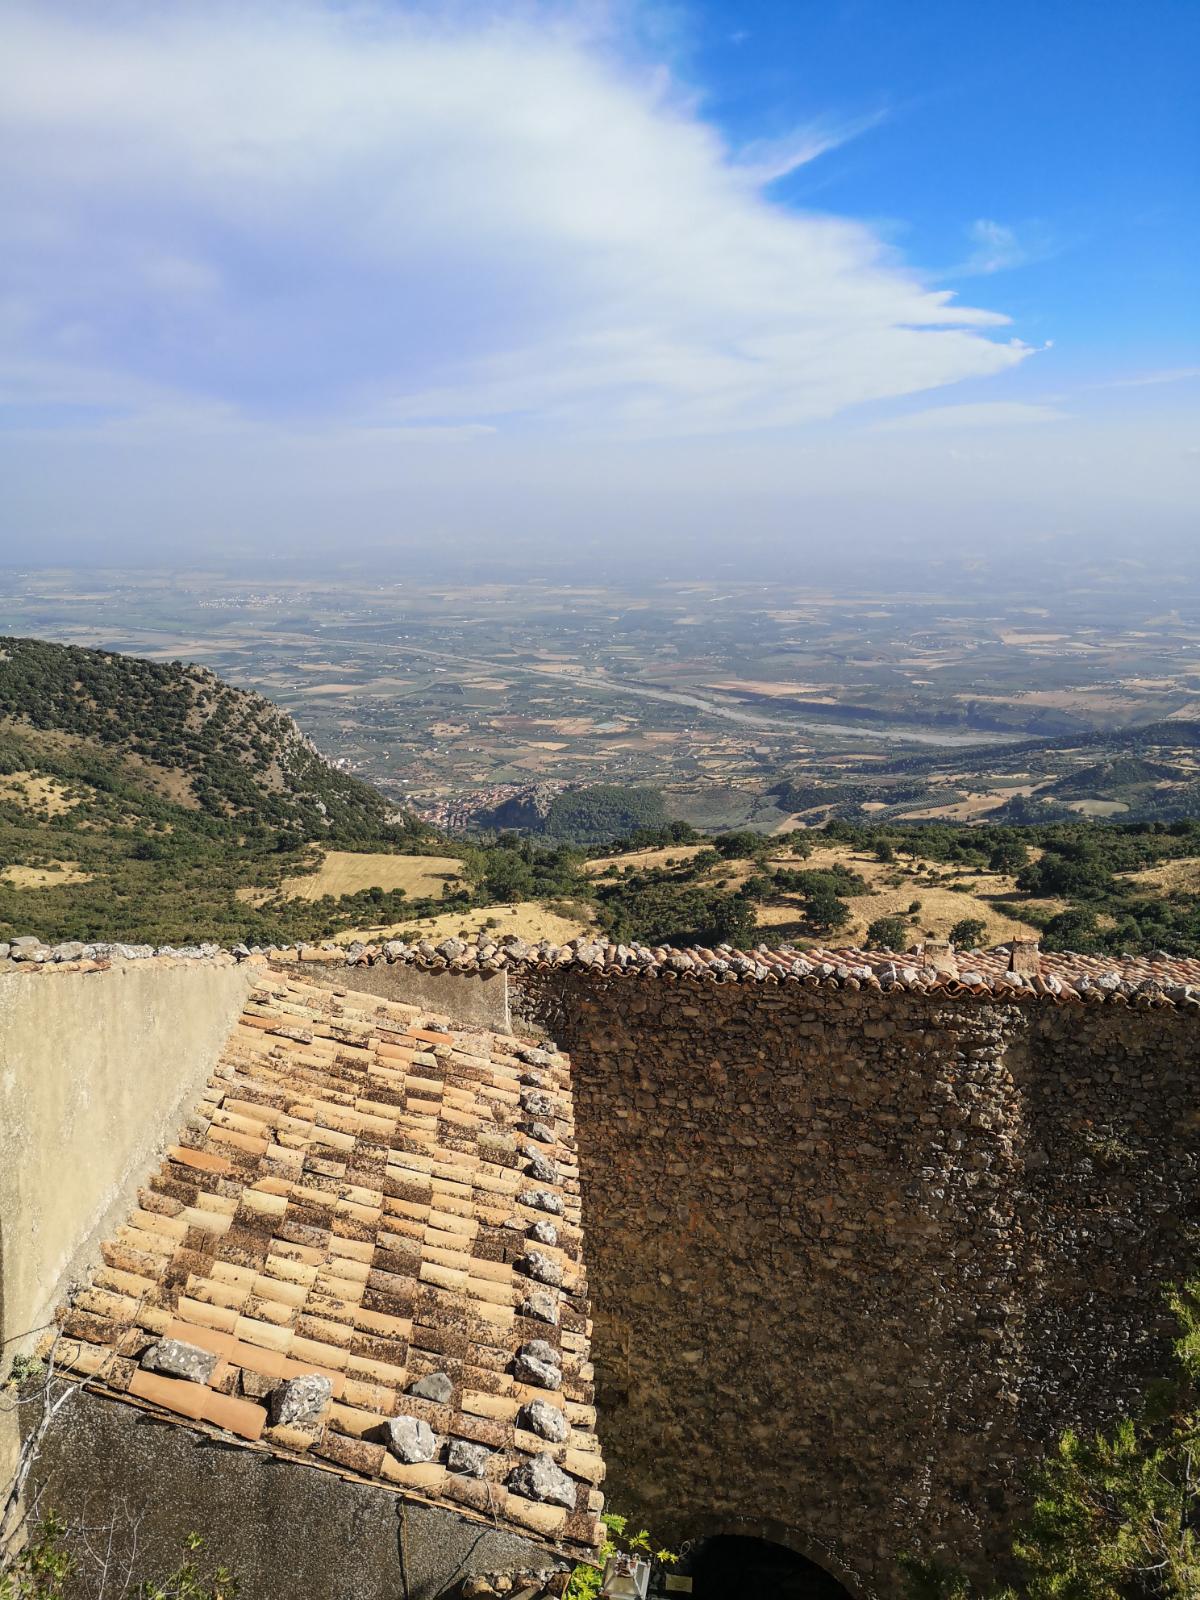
x: 149, y: 801
x: 182, y: 733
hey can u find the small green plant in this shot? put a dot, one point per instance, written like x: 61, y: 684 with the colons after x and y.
x: 40, y: 1569
x: 586, y: 1578
x: 190, y: 1582
x: 25, y: 1369
x: 43, y: 1567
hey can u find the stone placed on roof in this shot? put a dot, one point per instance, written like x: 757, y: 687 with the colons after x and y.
x: 175, y: 1358
x: 542, y: 1479
x: 1010, y: 971
x: 338, y: 1261
x: 411, y: 1440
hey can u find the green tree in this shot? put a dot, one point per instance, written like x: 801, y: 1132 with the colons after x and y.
x: 1073, y: 930
x: 733, y: 920
x: 887, y: 933
x: 967, y: 932
x: 1117, y: 1516
x: 824, y: 910
x: 1010, y: 855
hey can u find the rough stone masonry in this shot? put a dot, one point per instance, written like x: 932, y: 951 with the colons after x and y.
x: 857, y: 1254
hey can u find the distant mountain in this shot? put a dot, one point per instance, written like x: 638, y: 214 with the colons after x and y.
x: 176, y: 732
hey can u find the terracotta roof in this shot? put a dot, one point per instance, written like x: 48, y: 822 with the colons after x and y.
x: 1063, y: 977
x: 369, y: 1196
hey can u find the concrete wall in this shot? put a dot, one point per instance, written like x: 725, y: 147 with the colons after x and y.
x: 855, y: 1257
x: 282, y: 1528
x: 98, y: 1071
x: 474, y: 999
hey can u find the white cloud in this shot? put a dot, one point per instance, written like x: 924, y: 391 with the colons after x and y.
x: 982, y: 414
x: 1148, y: 380
x: 290, y: 211
x: 766, y: 160
x: 996, y: 247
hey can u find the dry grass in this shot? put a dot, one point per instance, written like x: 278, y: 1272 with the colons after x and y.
x: 347, y: 872
x: 893, y: 888
x: 1168, y: 875
x: 33, y: 792
x: 55, y: 875
x: 940, y: 909
x: 971, y: 806
x: 640, y: 859
x: 1097, y: 808
x: 168, y: 783
x: 526, y: 919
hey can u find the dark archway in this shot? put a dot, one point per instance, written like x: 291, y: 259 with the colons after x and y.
x: 737, y: 1567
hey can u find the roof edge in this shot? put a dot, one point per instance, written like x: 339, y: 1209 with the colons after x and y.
x: 1008, y: 972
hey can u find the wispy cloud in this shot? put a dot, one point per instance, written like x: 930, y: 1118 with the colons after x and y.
x: 996, y: 247
x: 764, y: 161
x: 981, y: 414
x: 1146, y: 380
x: 312, y: 211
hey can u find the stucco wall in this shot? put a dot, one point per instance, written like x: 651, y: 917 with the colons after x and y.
x: 854, y: 1255
x: 98, y: 1070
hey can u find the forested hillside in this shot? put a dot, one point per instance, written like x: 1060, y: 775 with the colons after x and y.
x: 138, y: 798
x: 185, y: 733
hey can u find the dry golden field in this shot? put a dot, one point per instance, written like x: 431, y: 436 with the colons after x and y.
x: 895, y: 886
x: 32, y: 791
x: 52, y: 876
x: 641, y: 859
x: 526, y: 919
x: 347, y: 872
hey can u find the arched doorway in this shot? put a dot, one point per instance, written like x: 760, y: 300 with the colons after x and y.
x: 736, y: 1567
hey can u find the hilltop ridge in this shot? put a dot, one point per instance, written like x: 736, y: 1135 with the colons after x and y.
x: 178, y: 732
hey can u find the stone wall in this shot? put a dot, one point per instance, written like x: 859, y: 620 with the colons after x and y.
x: 854, y: 1254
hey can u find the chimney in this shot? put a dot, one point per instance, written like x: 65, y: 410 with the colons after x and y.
x: 939, y: 954
x: 1025, y: 957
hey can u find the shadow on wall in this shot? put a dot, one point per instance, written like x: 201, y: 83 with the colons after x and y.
x: 283, y: 1528
x: 735, y: 1567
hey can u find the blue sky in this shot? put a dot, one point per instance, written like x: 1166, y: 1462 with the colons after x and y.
x: 331, y: 273
x: 1071, y: 125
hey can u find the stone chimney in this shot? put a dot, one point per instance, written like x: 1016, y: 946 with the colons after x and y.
x: 1025, y: 957
x: 939, y: 954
